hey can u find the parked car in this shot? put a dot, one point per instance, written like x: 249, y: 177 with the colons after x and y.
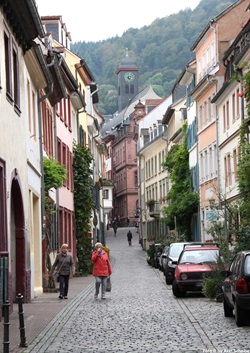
x: 163, y: 258
x: 195, y: 263
x: 236, y: 288
x: 171, y: 260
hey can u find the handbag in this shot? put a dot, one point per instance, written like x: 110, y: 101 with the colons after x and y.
x: 108, y: 285
x: 57, y: 273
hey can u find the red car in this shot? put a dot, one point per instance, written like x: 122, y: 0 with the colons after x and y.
x: 236, y: 289
x: 195, y: 263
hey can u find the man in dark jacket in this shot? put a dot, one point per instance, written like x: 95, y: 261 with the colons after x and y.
x: 129, y: 236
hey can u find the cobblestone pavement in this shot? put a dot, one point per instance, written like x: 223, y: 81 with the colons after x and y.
x: 140, y: 315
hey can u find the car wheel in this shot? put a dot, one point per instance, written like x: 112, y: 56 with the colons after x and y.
x: 239, y: 315
x: 228, y: 312
x: 168, y: 280
x: 175, y: 289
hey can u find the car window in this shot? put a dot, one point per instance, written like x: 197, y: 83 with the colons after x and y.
x: 238, y: 262
x: 175, y: 250
x: 232, y: 266
x: 247, y: 265
x: 200, y: 256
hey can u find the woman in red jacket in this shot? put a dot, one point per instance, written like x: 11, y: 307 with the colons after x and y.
x: 101, y: 269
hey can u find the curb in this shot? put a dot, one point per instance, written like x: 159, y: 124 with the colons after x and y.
x: 41, y: 343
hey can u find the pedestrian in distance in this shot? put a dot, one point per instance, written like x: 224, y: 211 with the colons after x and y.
x: 115, y: 229
x: 101, y: 269
x: 128, y: 222
x: 129, y: 236
x: 65, y: 266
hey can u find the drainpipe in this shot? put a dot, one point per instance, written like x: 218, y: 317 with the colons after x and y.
x: 39, y: 101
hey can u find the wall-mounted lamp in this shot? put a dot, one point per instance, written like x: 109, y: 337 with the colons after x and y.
x: 212, y: 202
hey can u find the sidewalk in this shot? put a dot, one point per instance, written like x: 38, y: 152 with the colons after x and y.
x: 41, y: 315
x: 42, y: 310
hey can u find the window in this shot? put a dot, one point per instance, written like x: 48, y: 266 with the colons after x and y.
x: 105, y: 194
x: 29, y: 106
x: 210, y: 164
x: 47, y: 122
x: 201, y: 118
x: 199, y: 70
x: 160, y: 166
x: 136, y: 178
x: 201, y: 167
x: 64, y: 159
x: 205, y: 113
x: 227, y: 115
x: 208, y: 58
x: 152, y: 167
x: 34, y: 114
x: 213, y: 51
x: 206, y: 170
x: 146, y: 170
x: 229, y: 171
x: 215, y: 159
x: 238, y: 103
x: 3, y: 207
x: 16, y: 86
x: 225, y: 170
x: 59, y: 150
x: 235, y: 163
x: 11, y: 71
x: 126, y: 89
x: 209, y: 109
x: 7, y: 64
x: 224, y: 118
x: 69, y: 113
x: 233, y: 107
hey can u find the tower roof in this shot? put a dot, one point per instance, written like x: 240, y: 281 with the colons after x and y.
x: 127, y: 63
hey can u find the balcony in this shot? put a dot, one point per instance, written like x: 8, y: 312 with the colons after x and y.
x: 153, y: 208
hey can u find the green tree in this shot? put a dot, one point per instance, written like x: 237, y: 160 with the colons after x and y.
x: 83, y: 203
x: 182, y: 200
x: 54, y: 176
x: 243, y: 168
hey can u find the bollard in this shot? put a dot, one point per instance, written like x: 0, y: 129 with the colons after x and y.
x: 23, y: 342
x: 6, y: 325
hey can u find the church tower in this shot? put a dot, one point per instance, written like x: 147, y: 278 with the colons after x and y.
x: 127, y: 81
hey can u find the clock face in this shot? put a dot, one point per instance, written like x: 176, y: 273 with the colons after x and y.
x: 129, y: 76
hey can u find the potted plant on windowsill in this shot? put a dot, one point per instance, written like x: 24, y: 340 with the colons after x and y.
x: 162, y: 199
x: 150, y: 203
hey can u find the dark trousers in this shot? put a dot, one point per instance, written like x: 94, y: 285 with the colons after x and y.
x: 64, y: 284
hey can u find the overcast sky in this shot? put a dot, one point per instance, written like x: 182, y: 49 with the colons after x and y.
x: 95, y: 20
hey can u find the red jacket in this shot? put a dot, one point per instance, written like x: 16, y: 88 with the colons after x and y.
x: 101, y: 264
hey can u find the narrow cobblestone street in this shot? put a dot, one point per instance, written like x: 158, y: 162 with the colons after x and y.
x: 140, y: 315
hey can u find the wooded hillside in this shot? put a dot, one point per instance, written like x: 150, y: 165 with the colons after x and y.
x: 161, y: 51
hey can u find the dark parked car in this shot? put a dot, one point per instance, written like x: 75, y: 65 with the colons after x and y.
x: 171, y: 260
x: 163, y: 258
x: 195, y: 263
x: 236, y: 288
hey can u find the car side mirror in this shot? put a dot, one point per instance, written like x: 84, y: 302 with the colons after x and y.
x: 174, y: 262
